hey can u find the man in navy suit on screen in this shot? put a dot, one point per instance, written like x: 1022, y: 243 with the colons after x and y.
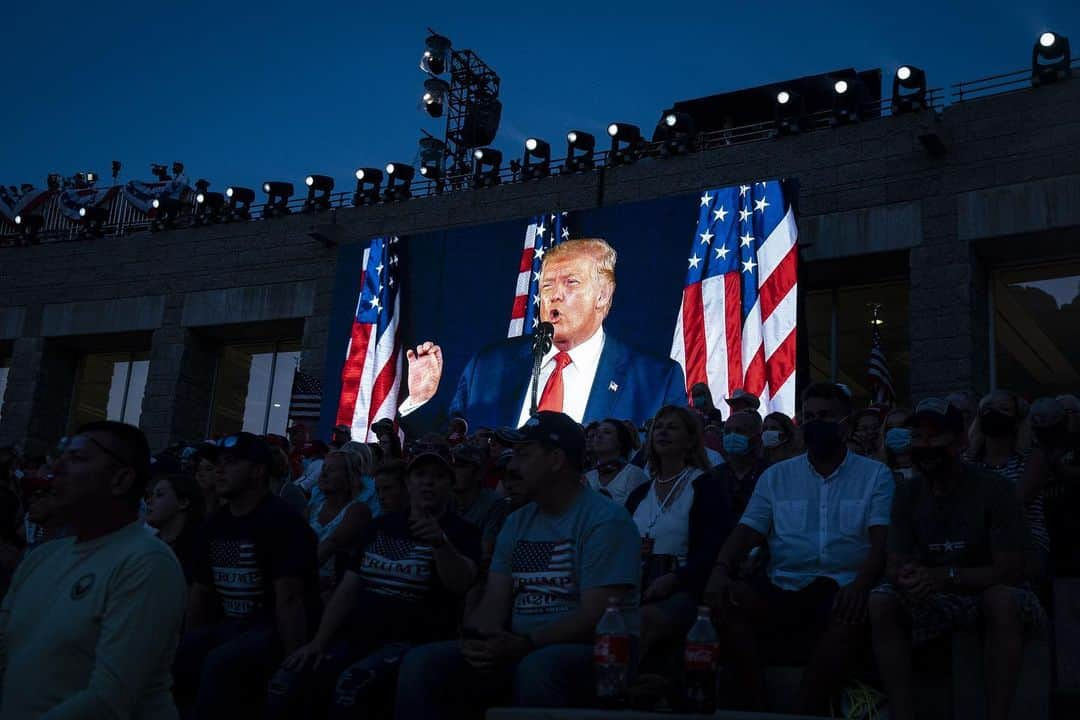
x: 587, y: 374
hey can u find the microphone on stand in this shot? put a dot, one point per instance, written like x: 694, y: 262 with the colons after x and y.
x: 545, y: 331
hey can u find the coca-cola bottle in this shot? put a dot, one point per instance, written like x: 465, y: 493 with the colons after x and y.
x: 702, y: 658
x: 611, y: 656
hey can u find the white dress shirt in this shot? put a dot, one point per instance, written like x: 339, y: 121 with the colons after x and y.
x: 577, y: 377
x: 819, y: 526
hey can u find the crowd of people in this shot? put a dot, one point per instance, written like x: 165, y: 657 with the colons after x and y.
x: 439, y: 576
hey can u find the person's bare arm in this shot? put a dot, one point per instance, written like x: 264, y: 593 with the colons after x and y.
x: 579, y: 626
x: 345, y: 534
x: 202, y: 602
x: 493, y: 612
x: 290, y: 613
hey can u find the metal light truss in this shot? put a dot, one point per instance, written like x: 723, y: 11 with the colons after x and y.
x: 472, y: 84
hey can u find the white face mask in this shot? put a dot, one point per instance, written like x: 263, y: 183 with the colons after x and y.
x: 772, y: 438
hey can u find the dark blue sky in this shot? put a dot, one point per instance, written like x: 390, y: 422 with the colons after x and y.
x: 243, y: 92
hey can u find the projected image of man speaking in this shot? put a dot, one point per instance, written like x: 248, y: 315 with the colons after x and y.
x: 587, y: 374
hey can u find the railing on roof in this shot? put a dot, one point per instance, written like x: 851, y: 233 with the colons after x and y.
x: 124, y: 218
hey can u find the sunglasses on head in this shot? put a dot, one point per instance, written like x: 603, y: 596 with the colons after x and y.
x: 230, y: 442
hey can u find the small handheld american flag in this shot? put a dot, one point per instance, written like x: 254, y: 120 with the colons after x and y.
x: 881, y: 385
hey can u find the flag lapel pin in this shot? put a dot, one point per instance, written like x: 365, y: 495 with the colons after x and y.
x: 613, y: 386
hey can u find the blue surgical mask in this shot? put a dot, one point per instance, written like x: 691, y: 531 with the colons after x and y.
x: 736, y: 444
x: 898, y: 439
x: 772, y: 438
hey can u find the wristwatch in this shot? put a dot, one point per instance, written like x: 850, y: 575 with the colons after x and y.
x: 952, y: 577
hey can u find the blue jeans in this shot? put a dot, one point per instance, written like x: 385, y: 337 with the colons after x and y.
x: 222, y: 665
x: 435, y: 681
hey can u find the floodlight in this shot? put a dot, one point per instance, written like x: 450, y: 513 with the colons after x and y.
x: 541, y: 151
x: 91, y: 219
x: 240, y: 199
x: 626, y: 143
x: 399, y: 178
x: 1051, y: 59
x: 435, y: 93
x: 849, y: 98
x: 436, y: 53
x: 368, y: 181
x: 580, y: 147
x: 676, y: 133
x: 29, y: 227
x: 789, y: 113
x: 909, y: 90
x: 318, y: 195
x: 488, y: 158
x: 166, y: 212
x: 277, y: 198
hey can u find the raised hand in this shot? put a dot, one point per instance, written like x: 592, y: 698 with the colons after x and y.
x: 425, y: 371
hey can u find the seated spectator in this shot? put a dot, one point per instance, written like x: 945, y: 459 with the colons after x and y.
x: 388, y: 438
x: 1000, y: 443
x: 557, y: 562
x: 340, y: 435
x: 612, y: 476
x: 896, y: 443
x: 955, y: 560
x: 824, y: 516
x: 40, y: 522
x: 390, y: 487
x: 701, y: 400
x: 682, y: 515
x: 742, y: 400
x: 282, y: 486
x: 255, y: 597
x: 742, y: 451
x: 403, y: 587
x: 335, y: 513
x: 866, y: 434
x: 475, y: 503
x: 90, y: 623
x: 312, y: 458
x: 206, y: 474
x: 780, y: 439
x: 176, y: 511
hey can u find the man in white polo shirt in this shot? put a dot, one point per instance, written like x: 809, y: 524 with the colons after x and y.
x: 825, y: 517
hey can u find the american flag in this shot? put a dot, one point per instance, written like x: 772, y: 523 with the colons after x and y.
x: 543, y: 575
x: 237, y: 576
x: 543, y: 233
x: 736, y: 326
x: 372, y: 372
x: 397, y: 567
x: 881, y: 387
x: 306, y: 398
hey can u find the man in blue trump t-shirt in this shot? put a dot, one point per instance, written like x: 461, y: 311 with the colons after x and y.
x: 557, y: 561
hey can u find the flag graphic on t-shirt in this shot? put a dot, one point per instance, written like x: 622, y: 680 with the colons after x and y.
x: 397, y: 567
x: 543, y: 573
x: 237, y: 577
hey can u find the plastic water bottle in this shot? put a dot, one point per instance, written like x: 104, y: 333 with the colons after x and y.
x: 702, y: 657
x: 611, y: 656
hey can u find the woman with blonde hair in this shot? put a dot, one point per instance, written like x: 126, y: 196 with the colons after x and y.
x: 340, y: 510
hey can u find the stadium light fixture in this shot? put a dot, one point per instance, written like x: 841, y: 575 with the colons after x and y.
x: 166, y: 212
x: 209, y: 206
x: 909, y: 90
x: 676, y: 133
x: 789, y: 111
x: 91, y: 219
x: 541, y: 151
x: 580, y: 147
x: 399, y: 177
x: 435, y: 93
x: 277, y: 198
x: 436, y: 54
x: 491, y: 159
x: 848, y: 100
x: 240, y: 199
x: 29, y: 227
x: 318, y: 194
x: 368, y: 181
x: 1051, y: 59
x: 626, y: 143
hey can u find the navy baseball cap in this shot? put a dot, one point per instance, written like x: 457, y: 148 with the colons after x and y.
x: 940, y: 412
x: 245, y: 446
x: 553, y: 429
x: 430, y: 452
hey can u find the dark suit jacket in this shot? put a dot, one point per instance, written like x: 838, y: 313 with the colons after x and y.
x: 628, y: 385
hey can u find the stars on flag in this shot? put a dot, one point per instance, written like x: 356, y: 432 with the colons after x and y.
x: 744, y: 214
x: 747, y: 240
x: 761, y: 204
x: 706, y: 237
x: 694, y: 261
x: 720, y: 214
x: 375, y: 305
x: 749, y: 265
x: 721, y: 252
x: 743, y: 189
x: 706, y: 199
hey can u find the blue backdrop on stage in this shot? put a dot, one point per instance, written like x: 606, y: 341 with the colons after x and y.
x: 458, y: 286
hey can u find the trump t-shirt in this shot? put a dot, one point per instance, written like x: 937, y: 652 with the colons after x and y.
x: 552, y: 559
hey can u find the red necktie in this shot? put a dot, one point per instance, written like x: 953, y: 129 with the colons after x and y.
x: 552, y: 397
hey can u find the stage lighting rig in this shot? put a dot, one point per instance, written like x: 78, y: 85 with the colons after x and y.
x: 368, y: 181
x: 29, y: 226
x: 91, y: 220
x: 580, y: 147
x: 537, y: 149
x: 435, y: 93
x: 789, y: 113
x: 848, y: 100
x: 491, y: 159
x: 436, y: 54
x: 908, y: 90
x: 626, y: 143
x: 277, y: 198
x: 209, y: 206
x: 1051, y: 59
x: 676, y: 133
x: 240, y: 199
x: 318, y: 194
x: 167, y: 211
x: 399, y: 178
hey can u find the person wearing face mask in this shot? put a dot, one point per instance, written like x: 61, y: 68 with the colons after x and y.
x: 955, y: 560
x: 896, y: 443
x: 742, y: 451
x: 1000, y: 443
x: 824, y: 517
x: 780, y: 438
x: 701, y: 400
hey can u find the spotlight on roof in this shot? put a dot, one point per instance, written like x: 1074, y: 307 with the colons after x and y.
x: 676, y: 133
x: 92, y: 219
x: 318, y: 194
x: 580, y: 147
x: 432, y: 161
x: 167, y: 211
x: 209, y: 206
x: 436, y: 54
x: 626, y: 143
x: 487, y: 166
x: 240, y: 200
x: 435, y: 93
x: 537, y: 149
x: 399, y: 178
x: 277, y: 198
x: 789, y: 113
x: 368, y: 181
x: 848, y: 100
x: 909, y: 90
x: 29, y: 227
x: 1051, y: 59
